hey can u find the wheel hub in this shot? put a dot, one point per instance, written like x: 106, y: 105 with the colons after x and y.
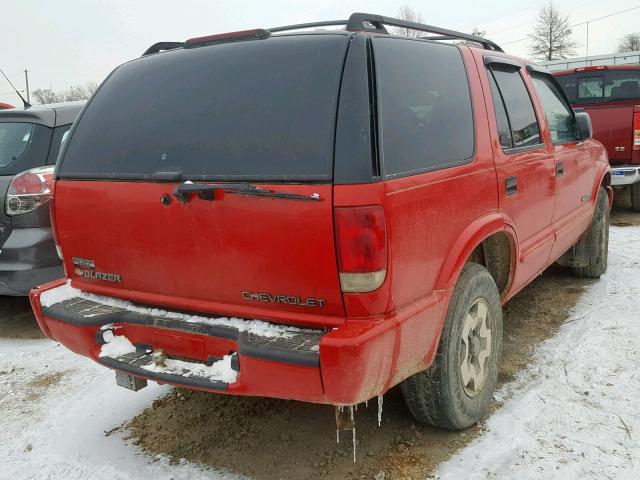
x: 475, y: 349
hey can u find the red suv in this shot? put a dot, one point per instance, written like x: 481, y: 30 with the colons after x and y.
x: 319, y: 216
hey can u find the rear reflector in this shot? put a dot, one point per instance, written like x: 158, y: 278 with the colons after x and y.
x: 257, y: 34
x: 636, y: 130
x: 29, y: 190
x: 361, y: 241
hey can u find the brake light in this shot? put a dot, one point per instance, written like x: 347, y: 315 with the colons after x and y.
x: 361, y: 242
x: 29, y: 190
x: 256, y: 34
x: 636, y: 130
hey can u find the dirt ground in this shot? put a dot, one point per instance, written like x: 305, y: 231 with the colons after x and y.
x: 16, y: 319
x: 622, y: 215
x: 273, y: 439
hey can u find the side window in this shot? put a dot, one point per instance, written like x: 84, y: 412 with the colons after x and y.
x: 56, y: 142
x: 523, y: 124
x: 560, y: 117
x: 504, y: 131
x: 425, y: 113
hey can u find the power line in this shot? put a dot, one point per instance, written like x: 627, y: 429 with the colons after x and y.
x: 578, y: 24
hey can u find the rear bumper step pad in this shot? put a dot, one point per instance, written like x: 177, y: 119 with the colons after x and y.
x: 301, y: 347
x: 134, y: 363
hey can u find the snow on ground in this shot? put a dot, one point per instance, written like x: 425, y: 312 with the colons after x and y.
x: 575, y: 413
x: 55, y: 408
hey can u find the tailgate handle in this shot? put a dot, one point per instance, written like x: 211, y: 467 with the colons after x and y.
x: 559, y: 169
x: 511, y: 184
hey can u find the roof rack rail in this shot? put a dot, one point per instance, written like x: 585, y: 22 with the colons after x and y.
x: 366, y: 22
x: 161, y: 47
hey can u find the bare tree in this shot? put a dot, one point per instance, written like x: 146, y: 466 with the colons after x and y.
x: 410, y: 15
x: 629, y: 43
x: 551, y: 38
x: 78, y: 92
x: 476, y: 32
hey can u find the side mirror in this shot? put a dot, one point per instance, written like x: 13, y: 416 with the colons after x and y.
x: 584, y: 125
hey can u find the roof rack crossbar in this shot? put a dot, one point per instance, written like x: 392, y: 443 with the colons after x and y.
x: 161, y: 47
x: 375, y: 23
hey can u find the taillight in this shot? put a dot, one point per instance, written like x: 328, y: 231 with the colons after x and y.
x: 29, y: 190
x: 361, y: 240
x: 636, y: 130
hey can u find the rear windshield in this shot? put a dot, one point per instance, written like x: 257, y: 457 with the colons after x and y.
x: 255, y: 110
x: 22, y: 146
x: 601, y: 85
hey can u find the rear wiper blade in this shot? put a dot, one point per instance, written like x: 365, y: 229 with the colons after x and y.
x: 206, y: 191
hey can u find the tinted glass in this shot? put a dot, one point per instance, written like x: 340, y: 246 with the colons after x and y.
x: 22, y: 146
x: 426, y: 121
x: 590, y: 87
x: 605, y: 86
x: 15, y: 138
x: 522, y: 118
x: 504, y: 131
x: 56, y: 141
x: 559, y: 115
x: 253, y: 110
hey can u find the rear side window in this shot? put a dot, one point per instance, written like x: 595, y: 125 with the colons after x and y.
x: 559, y: 115
x: 56, y: 142
x: 523, y: 124
x: 22, y: 146
x: 15, y: 138
x: 424, y: 105
x: 254, y: 110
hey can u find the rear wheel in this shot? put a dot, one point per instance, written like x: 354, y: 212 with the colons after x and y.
x: 597, y: 240
x: 456, y: 390
x: 635, y: 196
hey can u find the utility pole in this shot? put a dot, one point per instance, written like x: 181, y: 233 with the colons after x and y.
x: 26, y: 80
x: 586, y: 61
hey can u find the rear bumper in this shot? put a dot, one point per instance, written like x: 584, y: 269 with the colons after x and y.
x: 28, y: 258
x: 346, y: 365
x: 625, y: 175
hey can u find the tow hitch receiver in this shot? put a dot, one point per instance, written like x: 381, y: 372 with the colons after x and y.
x: 130, y: 382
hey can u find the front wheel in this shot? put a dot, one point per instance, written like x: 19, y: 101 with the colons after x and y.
x: 456, y: 390
x: 597, y: 240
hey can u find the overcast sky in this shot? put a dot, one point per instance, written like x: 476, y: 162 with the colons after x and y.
x: 68, y: 42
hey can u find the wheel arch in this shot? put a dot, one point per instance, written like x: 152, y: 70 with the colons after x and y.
x: 485, y: 236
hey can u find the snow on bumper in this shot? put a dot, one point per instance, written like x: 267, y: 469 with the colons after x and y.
x: 625, y: 175
x: 346, y: 365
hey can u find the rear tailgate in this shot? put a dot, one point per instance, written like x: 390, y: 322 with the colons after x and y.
x: 260, y: 114
x: 613, y: 126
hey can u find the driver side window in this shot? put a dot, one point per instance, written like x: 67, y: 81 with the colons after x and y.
x: 559, y: 114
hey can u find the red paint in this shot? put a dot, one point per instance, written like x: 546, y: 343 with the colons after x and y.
x: 201, y: 255
x: 613, y: 121
x: 5, y: 106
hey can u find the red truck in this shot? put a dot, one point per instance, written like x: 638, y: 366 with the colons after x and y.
x: 319, y: 215
x: 611, y: 96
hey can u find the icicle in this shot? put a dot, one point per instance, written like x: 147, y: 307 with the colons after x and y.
x: 337, y: 435
x: 356, y: 407
x: 366, y: 404
x: 380, y: 400
x: 354, y: 443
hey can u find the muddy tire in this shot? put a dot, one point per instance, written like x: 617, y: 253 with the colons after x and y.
x: 635, y: 196
x: 456, y: 390
x: 597, y: 240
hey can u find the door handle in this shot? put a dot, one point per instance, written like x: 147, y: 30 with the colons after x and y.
x: 559, y: 169
x: 511, y: 184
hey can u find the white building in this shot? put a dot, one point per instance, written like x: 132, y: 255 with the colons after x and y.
x: 595, y: 60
